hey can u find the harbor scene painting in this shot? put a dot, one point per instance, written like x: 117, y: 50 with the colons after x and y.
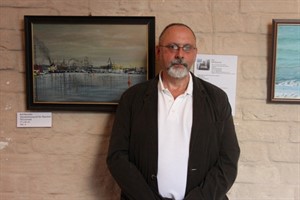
x: 87, y: 63
x: 287, y: 63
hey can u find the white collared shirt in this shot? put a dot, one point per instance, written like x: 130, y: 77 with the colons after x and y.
x: 174, y: 131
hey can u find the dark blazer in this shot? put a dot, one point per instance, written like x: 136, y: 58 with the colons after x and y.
x: 133, y: 148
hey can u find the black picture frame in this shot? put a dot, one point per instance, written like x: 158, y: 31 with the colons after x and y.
x: 86, y: 62
x: 285, y: 69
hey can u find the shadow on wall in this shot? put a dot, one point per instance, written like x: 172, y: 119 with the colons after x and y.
x: 103, y: 185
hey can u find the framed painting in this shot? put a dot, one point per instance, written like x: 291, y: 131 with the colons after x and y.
x: 285, y: 69
x: 86, y: 62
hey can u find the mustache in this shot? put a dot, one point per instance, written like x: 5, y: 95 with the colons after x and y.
x: 178, y: 61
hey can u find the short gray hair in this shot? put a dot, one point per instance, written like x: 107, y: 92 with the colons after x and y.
x: 175, y: 24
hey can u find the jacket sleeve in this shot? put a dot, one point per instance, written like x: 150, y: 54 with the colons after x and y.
x: 222, y: 175
x: 126, y: 174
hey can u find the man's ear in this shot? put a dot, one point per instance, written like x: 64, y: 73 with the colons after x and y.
x: 157, y: 51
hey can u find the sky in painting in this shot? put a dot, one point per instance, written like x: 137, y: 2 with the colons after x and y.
x: 125, y: 45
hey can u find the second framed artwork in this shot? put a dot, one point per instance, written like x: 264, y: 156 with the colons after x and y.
x: 86, y: 63
x: 285, y: 69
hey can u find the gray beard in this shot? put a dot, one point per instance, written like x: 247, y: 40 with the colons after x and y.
x: 178, y: 73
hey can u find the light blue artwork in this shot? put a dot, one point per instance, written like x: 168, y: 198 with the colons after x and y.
x: 287, y: 73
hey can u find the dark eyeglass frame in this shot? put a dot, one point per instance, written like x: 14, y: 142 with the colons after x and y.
x: 175, y: 47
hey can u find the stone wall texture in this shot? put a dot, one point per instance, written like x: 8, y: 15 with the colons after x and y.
x: 67, y: 161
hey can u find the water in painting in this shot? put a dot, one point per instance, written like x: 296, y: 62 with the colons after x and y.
x: 83, y: 87
x: 287, y: 75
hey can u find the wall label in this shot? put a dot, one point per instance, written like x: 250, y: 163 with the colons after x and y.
x: 34, y: 119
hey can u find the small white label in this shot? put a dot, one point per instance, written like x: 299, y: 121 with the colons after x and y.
x: 34, y: 119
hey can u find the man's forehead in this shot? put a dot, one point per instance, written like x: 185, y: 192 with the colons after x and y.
x: 173, y: 34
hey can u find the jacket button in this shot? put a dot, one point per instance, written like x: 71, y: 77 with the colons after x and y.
x: 153, y: 177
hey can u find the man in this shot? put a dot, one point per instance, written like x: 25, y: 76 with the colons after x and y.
x: 173, y: 136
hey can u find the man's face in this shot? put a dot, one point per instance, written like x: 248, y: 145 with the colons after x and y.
x: 177, y: 51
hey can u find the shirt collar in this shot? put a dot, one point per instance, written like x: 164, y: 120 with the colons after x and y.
x: 189, y: 89
x: 160, y: 83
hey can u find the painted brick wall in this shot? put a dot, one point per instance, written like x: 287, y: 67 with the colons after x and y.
x: 67, y: 161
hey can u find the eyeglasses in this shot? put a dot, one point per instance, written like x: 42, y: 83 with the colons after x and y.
x: 175, y: 47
